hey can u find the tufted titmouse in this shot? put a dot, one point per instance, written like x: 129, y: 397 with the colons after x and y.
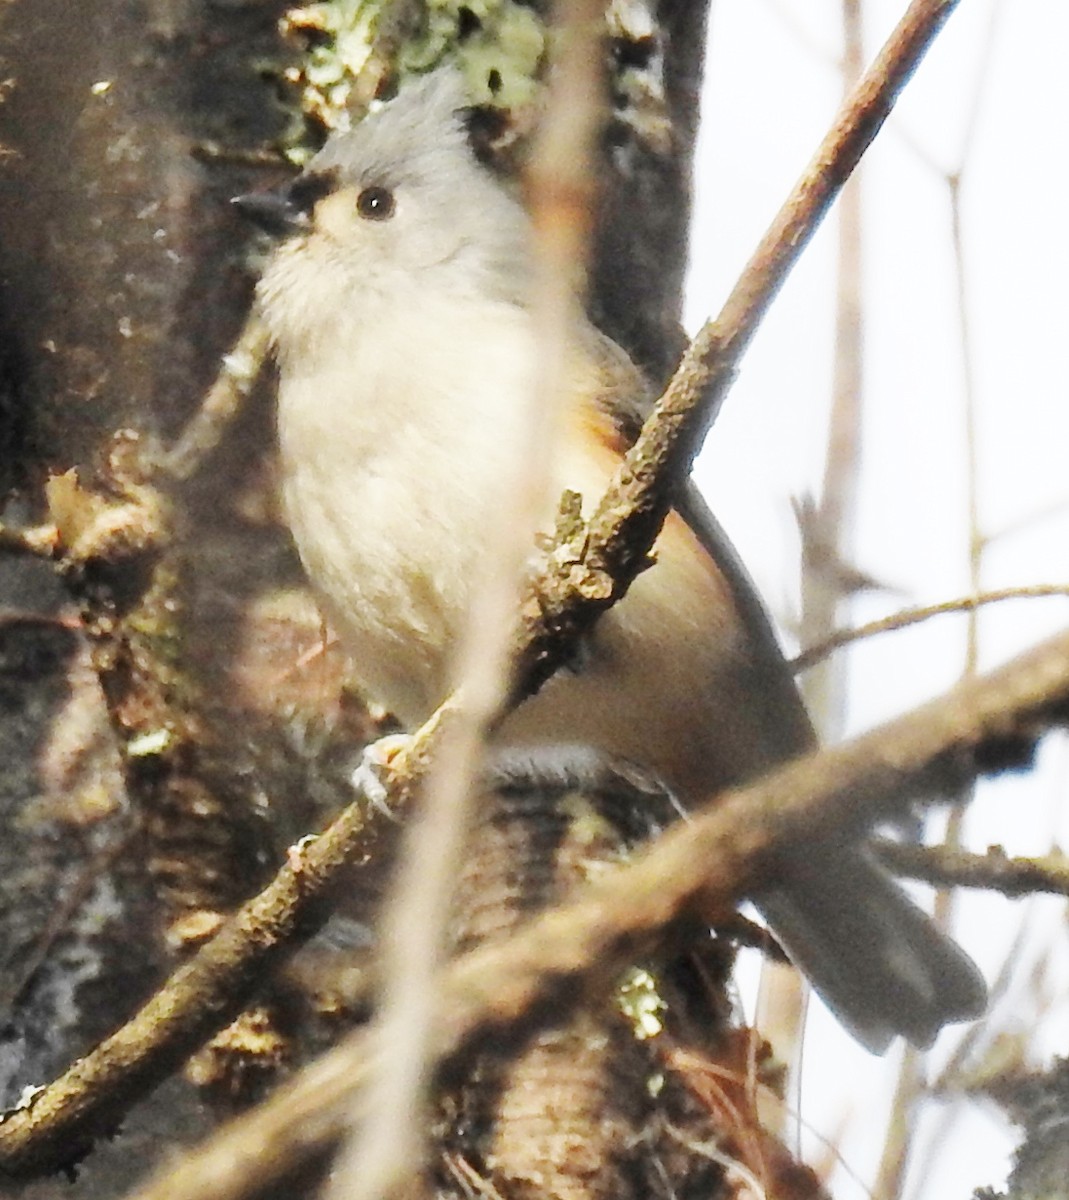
x: 399, y: 303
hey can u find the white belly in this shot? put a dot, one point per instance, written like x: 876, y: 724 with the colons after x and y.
x: 392, y: 464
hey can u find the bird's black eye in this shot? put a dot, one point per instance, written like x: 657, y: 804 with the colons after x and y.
x: 375, y: 203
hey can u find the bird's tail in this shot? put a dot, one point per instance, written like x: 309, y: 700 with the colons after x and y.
x: 874, y: 958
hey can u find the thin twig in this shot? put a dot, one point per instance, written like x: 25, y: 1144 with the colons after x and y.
x: 827, y: 542
x: 956, y: 1071
x: 950, y: 866
x: 1027, y: 521
x: 828, y: 534
x: 208, y: 991
x: 898, y: 1138
x: 913, y: 616
x: 700, y: 865
x: 390, y: 1146
x: 803, y: 36
x: 570, y: 597
x: 58, y: 922
x: 891, y: 1175
x: 239, y: 370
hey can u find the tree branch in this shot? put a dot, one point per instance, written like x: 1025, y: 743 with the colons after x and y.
x: 913, y: 616
x: 579, y: 586
x: 982, y: 726
x: 583, y: 575
x: 948, y: 866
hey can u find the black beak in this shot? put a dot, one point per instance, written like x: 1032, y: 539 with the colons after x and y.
x: 275, y: 211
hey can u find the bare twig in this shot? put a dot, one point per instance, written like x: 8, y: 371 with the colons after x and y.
x: 950, y: 866
x: 955, y: 1073
x: 572, y: 595
x: 913, y: 616
x: 827, y: 537
x: 238, y: 373
x: 901, y: 1124
x: 1045, y: 512
x: 891, y: 1175
x: 803, y: 36
x: 16, y: 982
x: 831, y: 526
x: 577, y: 584
x: 389, y: 1147
x: 982, y: 724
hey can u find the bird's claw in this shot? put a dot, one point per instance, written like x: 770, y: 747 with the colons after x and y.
x: 370, y: 776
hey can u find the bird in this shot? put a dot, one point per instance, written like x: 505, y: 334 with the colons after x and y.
x: 398, y: 299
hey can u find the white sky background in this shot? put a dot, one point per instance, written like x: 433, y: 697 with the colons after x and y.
x: 772, y: 87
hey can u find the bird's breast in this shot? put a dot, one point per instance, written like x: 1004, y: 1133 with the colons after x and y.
x: 392, y: 465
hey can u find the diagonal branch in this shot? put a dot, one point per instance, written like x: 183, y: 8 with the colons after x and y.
x: 983, y: 726
x: 574, y: 592
x: 581, y: 578
x: 949, y: 866
x: 912, y: 616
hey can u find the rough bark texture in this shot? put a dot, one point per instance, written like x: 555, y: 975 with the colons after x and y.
x: 122, y: 282
x: 581, y: 1110
x: 640, y: 248
x: 168, y: 717
x: 1039, y: 1103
